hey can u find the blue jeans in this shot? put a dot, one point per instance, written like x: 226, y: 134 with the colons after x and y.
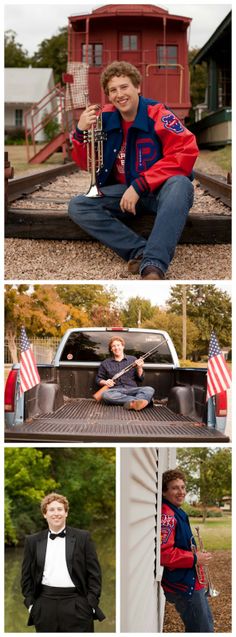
x: 102, y: 218
x: 194, y: 612
x: 122, y: 395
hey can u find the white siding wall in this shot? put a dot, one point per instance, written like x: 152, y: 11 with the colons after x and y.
x: 142, y: 601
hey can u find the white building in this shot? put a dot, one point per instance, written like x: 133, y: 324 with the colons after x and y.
x: 141, y: 596
x: 24, y: 89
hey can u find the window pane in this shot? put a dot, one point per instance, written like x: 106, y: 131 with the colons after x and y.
x: 92, y: 346
x: 133, y: 42
x: 125, y: 42
x: 130, y: 42
x: 167, y: 56
x: 90, y: 51
x: 98, y: 54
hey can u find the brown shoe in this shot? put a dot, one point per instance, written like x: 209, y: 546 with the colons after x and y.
x: 134, y: 264
x: 151, y: 272
x: 136, y: 404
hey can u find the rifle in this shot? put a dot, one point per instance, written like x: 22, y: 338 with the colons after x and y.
x: 98, y: 394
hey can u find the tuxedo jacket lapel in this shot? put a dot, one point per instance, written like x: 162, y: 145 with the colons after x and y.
x: 41, y: 550
x: 70, y: 545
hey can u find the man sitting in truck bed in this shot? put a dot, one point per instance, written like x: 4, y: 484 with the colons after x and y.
x: 124, y: 390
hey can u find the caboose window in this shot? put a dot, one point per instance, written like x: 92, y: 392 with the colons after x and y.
x: 167, y: 56
x: 129, y: 42
x: 94, y: 54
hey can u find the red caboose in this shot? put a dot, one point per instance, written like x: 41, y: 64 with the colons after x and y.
x: 145, y: 35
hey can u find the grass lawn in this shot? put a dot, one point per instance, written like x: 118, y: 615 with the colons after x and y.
x: 215, y: 532
x: 18, y: 159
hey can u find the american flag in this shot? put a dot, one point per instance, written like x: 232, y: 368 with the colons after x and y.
x: 218, y: 373
x: 29, y: 376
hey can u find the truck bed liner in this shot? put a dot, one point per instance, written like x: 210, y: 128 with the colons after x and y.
x: 89, y: 421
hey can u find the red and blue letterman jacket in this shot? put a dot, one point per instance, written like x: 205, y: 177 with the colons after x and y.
x: 179, y: 575
x: 158, y: 147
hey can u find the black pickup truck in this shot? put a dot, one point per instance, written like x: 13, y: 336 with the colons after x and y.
x: 62, y: 408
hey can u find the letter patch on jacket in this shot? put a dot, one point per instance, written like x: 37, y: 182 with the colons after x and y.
x: 167, y: 527
x: 146, y: 154
x: 172, y: 123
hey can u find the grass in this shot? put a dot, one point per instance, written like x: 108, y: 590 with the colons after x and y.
x: 215, y: 532
x: 223, y: 157
x: 18, y: 158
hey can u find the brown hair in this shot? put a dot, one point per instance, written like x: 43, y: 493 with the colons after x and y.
x: 171, y: 474
x: 117, y: 69
x: 115, y: 338
x: 50, y: 498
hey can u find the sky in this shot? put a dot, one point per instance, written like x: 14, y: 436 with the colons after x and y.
x: 159, y: 293
x: 28, y: 20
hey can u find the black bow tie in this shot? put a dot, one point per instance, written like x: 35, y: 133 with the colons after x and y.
x: 54, y: 535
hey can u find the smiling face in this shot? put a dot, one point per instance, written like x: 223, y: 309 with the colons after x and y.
x: 117, y: 349
x: 175, y: 492
x: 56, y: 516
x: 124, y: 96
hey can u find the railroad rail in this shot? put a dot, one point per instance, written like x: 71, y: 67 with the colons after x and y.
x: 53, y: 223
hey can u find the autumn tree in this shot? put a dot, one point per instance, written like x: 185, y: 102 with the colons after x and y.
x: 40, y: 309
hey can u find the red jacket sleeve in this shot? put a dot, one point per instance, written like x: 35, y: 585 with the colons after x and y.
x: 171, y: 556
x: 79, y: 153
x: 179, y: 148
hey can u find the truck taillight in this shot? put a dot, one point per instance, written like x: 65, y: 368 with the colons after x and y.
x: 10, y: 389
x: 221, y: 404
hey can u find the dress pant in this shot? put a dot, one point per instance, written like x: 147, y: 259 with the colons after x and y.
x: 59, y: 610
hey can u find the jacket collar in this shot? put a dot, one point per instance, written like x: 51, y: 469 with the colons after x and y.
x: 140, y: 122
x: 177, y: 510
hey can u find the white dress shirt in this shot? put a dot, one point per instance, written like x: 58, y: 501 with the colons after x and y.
x: 55, y: 567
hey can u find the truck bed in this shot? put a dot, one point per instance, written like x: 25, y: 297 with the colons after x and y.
x: 88, y: 421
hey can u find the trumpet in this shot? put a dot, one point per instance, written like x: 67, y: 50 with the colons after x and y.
x: 202, y: 571
x: 95, y: 138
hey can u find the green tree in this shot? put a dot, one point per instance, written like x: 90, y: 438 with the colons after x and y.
x: 208, y: 473
x: 52, y: 53
x: 198, y: 81
x: 173, y: 324
x: 27, y: 480
x: 87, y: 477
x: 15, y: 55
x: 87, y: 297
x: 137, y: 311
x: 209, y: 309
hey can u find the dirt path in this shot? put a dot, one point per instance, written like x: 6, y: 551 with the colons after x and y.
x: 221, y: 605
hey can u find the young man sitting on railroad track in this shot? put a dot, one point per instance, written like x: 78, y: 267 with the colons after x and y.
x: 125, y: 390
x: 147, y: 163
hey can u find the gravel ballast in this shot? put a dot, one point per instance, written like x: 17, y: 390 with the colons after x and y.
x: 80, y: 260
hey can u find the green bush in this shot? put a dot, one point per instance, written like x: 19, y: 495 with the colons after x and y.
x: 197, y: 512
x: 51, y: 129
x: 15, y: 137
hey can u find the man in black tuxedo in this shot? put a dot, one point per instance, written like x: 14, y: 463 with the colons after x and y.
x: 61, y: 575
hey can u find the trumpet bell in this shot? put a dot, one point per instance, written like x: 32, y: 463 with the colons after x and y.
x: 212, y: 592
x: 93, y: 192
